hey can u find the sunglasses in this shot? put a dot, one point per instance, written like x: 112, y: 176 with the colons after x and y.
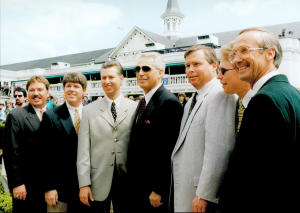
x: 223, y: 70
x: 144, y: 68
x: 20, y: 96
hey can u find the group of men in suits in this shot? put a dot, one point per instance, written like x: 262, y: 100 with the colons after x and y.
x: 235, y: 141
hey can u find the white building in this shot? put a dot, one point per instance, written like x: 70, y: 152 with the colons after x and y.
x: 138, y: 40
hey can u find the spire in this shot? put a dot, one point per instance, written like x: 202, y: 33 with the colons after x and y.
x: 172, y: 9
x: 172, y: 19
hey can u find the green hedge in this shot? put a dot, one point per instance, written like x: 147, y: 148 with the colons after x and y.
x: 5, y: 199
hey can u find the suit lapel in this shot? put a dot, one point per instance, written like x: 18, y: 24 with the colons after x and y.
x: 106, y: 113
x: 188, y: 122
x: 122, y: 112
x: 65, y: 119
x: 32, y: 118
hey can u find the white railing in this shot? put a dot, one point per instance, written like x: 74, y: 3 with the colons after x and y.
x: 95, y: 84
x: 56, y: 87
x: 177, y: 80
x: 131, y: 82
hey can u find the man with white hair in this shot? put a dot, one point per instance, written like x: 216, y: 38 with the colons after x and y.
x: 153, y: 136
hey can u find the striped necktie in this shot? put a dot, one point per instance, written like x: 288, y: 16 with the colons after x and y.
x: 241, y: 110
x: 76, y: 121
x: 141, y: 109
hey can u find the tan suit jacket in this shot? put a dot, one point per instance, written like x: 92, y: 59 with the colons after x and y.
x: 102, y: 143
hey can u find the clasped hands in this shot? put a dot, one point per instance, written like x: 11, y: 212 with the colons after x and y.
x: 155, y: 199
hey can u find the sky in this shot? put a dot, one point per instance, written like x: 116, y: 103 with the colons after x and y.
x: 37, y: 29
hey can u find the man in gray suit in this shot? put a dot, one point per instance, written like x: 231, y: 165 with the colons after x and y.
x: 206, y: 137
x: 102, y: 144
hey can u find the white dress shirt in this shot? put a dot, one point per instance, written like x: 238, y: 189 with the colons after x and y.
x: 72, y: 111
x: 149, y: 95
x: 38, y: 111
x: 262, y: 81
x: 117, y: 102
x: 247, y: 98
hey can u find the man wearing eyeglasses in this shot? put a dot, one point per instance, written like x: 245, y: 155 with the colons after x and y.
x: 263, y: 171
x: 206, y: 137
x: 20, y: 95
x: 153, y: 136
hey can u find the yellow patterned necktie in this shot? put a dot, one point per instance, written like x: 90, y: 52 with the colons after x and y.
x: 241, y: 110
x: 76, y: 121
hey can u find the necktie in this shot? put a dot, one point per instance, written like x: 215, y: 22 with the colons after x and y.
x: 113, y: 111
x: 141, y: 109
x: 241, y: 110
x: 76, y: 121
x: 42, y: 111
x: 194, y: 101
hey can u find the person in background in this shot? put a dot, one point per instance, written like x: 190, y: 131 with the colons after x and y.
x: 85, y: 101
x: 182, y: 98
x: 2, y: 113
x: 50, y: 103
x: 9, y: 107
x: 20, y: 96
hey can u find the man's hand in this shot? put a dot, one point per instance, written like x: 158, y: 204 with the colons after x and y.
x: 199, y: 205
x: 20, y: 192
x: 155, y: 199
x: 51, y: 197
x: 85, y: 194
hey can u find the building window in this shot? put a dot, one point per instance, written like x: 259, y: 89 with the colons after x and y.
x: 150, y: 45
x: 174, y: 26
x: 168, y: 25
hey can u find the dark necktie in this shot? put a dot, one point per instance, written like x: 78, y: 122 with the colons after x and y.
x: 241, y: 110
x: 194, y: 101
x: 113, y: 111
x: 141, y: 109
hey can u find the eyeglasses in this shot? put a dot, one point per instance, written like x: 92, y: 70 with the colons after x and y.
x: 223, y: 70
x: 243, y: 52
x: 144, y: 68
x: 20, y: 96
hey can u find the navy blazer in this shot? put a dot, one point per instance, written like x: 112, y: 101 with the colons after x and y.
x: 59, y: 154
x: 151, y: 144
x: 263, y: 171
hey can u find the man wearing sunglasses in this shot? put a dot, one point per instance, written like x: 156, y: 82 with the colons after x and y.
x: 232, y: 84
x: 206, y: 136
x: 153, y: 136
x: 263, y: 171
x: 20, y: 95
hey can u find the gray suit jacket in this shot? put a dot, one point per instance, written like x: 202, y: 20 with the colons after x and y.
x: 205, y: 141
x: 100, y: 142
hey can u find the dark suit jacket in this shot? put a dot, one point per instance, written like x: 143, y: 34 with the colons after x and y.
x: 263, y: 171
x: 59, y: 154
x: 151, y: 144
x: 18, y: 147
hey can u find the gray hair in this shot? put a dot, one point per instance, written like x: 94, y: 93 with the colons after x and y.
x: 268, y: 40
x: 158, y: 60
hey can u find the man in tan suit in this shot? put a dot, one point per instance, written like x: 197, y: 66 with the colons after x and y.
x: 102, y: 144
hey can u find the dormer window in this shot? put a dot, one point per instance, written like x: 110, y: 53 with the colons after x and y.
x: 150, y: 45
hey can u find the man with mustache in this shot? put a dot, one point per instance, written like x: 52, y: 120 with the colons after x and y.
x: 206, y: 138
x: 263, y: 171
x: 20, y: 149
x: 20, y: 95
x: 153, y: 136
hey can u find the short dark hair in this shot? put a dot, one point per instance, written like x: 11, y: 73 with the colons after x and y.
x: 19, y: 89
x: 75, y: 77
x: 2, y: 104
x: 38, y: 78
x: 109, y: 64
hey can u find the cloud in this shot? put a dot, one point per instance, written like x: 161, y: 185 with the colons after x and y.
x: 245, y: 7
x: 54, y: 27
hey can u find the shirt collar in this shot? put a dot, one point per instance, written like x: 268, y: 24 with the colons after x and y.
x: 117, y: 101
x: 149, y: 95
x: 38, y: 110
x: 203, y: 89
x: 247, y: 98
x: 72, y: 109
x: 262, y: 81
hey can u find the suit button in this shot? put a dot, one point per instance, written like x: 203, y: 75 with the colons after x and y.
x: 111, y: 164
x: 116, y: 140
x: 112, y: 153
